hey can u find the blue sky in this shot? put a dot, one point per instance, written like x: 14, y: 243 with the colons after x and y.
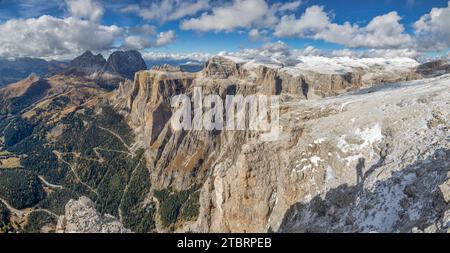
x: 191, y: 32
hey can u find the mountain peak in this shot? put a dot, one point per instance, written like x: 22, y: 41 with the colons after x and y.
x: 121, y: 64
x: 87, y: 52
x: 125, y: 63
x: 86, y: 64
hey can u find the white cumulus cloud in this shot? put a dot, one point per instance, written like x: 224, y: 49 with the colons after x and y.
x: 138, y: 37
x: 382, y: 31
x: 167, y: 10
x: 257, y: 35
x: 238, y: 14
x: 312, y: 21
x: 135, y: 42
x: 289, y: 6
x: 49, y: 36
x: 165, y: 38
x: 433, y: 29
x: 143, y: 30
x: 85, y: 9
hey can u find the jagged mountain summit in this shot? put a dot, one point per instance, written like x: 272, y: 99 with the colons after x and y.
x: 363, y: 147
x: 86, y: 64
x: 120, y: 64
x: 125, y: 63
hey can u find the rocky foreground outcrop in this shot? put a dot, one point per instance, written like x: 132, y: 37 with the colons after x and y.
x: 82, y: 217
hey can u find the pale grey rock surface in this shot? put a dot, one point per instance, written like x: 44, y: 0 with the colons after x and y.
x: 82, y: 217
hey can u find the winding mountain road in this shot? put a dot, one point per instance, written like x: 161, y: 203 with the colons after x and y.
x: 50, y: 184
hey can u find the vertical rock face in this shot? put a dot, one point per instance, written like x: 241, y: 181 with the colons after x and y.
x: 269, y: 81
x: 81, y: 217
x: 147, y: 99
x: 326, y: 85
x: 86, y: 64
x: 125, y: 63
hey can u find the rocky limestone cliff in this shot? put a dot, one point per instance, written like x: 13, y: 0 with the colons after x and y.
x: 81, y: 217
x: 380, y: 168
x: 337, y: 161
x: 147, y: 99
x: 306, y: 82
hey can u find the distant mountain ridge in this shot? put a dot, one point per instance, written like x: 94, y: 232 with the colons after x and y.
x: 15, y: 70
x: 119, y: 63
x: 187, y: 66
